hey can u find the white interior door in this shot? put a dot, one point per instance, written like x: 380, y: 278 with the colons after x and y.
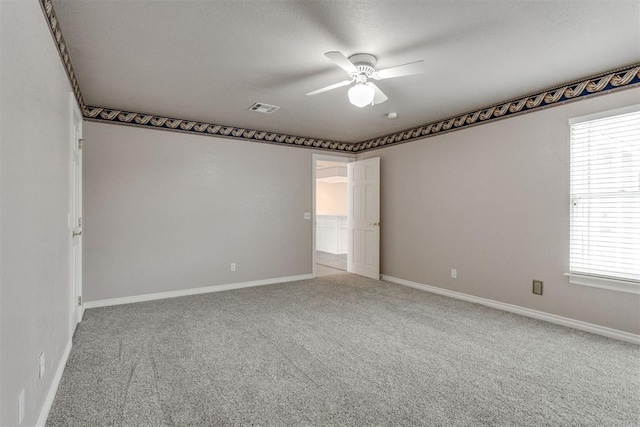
x: 364, y: 218
x: 76, y: 216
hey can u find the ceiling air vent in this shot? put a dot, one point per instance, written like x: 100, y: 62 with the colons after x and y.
x: 260, y: 107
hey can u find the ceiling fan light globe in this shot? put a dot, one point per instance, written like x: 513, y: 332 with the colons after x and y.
x: 361, y: 95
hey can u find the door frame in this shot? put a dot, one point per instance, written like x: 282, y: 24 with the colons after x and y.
x: 75, y: 286
x: 314, y: 158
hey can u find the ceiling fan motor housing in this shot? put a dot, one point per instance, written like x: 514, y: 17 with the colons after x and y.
x: 365, y: 63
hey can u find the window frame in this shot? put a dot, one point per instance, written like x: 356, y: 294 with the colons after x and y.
x: 608, y: 283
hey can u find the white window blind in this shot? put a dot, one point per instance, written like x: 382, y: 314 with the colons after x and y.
x: 605, y: 197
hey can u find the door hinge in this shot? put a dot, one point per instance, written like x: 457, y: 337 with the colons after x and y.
x: 80, y: 300
x: 80, y: 140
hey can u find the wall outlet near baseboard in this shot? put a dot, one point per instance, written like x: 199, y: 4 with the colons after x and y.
x: 454, y: 273
x: 537, y: 287
x: 233, y: 266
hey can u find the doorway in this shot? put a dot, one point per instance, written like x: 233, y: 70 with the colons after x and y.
x: 352, y: 233
x: 330, y: 205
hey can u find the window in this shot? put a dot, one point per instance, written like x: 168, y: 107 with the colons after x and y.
x: 605, y: 200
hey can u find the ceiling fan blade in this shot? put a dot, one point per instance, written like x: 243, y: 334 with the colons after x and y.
x: 331, y: 87
x: 341, y: 61
x: 379, y: 97
x: 417, y: 67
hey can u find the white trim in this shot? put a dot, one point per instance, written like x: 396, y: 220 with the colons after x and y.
x: 338, y: 158
x: 193, y: 291
x: 53, y: 389
x: 540, y: 315
x: 314, y: 271
x: 605, y: 114
x: 604, y: 283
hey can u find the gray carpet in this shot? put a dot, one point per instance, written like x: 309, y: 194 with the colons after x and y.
x: 339, y: 350
x: 323, y: 270
x: 332, y: 260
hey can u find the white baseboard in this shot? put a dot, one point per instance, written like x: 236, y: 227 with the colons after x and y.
x: 48, y: 401
x: 541, y: 315
x: 194, y: 291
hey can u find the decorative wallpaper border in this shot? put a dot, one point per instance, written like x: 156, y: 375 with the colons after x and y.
x: 101, y: 114
x: 613, y: 80
x: 54, y: 27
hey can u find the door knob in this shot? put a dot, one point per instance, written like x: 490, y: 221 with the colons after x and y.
x: 76, y: 234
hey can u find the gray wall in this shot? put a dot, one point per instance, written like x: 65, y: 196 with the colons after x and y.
x: 167, y: 211
x: 35, y: 306
x: 492, y: 201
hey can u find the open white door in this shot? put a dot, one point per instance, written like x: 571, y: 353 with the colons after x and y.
x: 364, y: 218
x: 76, y: 216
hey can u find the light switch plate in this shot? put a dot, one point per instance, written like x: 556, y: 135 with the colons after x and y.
x: 307, y: 215
x: 41, y: 365
x: 21, y: 407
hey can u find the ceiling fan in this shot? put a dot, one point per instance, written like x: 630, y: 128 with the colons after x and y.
x: 361, y: 67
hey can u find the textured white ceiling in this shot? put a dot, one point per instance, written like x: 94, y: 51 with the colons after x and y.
x: 211, y: 60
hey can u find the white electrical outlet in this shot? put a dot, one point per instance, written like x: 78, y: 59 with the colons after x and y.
x: 41, y: 365
x: 21, y: 407
x: 307, y: 215
x: 233, y: 266
x: 454, y: 273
